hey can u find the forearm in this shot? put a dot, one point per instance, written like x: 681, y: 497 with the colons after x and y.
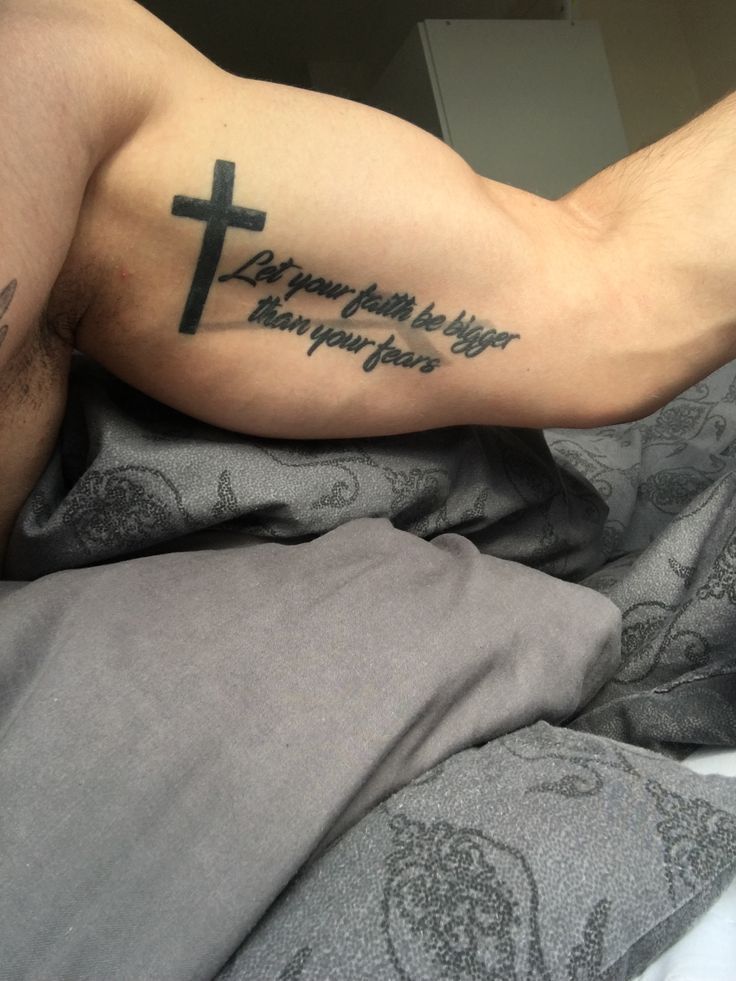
x: 665, y: 220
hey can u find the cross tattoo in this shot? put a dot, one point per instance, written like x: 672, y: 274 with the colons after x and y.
x: 220, y: 214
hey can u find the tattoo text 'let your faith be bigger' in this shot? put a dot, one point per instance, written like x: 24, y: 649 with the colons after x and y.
x: 471, y: 338
x: 220, y: 214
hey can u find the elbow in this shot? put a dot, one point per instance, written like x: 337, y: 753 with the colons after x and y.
x: 626, y: 401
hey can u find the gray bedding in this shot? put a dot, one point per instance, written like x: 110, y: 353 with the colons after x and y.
x: 219, y: 654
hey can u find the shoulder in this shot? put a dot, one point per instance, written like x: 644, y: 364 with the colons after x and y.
x: 78, y: 81
x: 90, y: 68
x: 151, y: 76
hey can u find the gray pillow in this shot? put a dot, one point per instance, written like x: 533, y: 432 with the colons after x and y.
x: 545, y: 854
x: 180, y: 733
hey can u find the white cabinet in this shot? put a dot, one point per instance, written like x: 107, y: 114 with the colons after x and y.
x: 526, y: 102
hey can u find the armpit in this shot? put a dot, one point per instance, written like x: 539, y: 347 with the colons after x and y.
x: 65, y: 307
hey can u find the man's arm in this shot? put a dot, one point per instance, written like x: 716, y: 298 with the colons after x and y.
x: 218, y: 231
x: 289, y: 264
x: 667, y: 216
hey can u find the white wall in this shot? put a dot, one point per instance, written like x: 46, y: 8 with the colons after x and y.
x: 669, y: 59
x: 525, y: 102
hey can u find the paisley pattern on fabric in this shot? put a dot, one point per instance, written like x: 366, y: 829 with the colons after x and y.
x: 545, y: 855
x: 470, y: 901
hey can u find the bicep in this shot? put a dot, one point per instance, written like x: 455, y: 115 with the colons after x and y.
x: 290, y: 264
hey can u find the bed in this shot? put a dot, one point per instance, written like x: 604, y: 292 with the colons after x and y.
x: 707, y: 950
x: 406, y: 707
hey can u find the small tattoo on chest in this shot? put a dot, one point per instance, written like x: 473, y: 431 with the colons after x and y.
x: 6, y: 298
